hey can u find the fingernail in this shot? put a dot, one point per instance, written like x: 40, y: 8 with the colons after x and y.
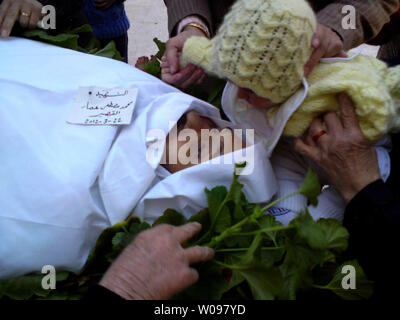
x: 195, y: 223
x: 315, y: 43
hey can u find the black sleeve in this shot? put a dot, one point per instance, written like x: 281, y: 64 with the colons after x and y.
x: 373, y: 220
x: 99, y: 292
x: 64, y: 7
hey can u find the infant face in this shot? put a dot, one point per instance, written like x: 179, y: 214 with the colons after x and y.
x: 198, y: 140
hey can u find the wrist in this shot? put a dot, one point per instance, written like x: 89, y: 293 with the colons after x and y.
x: 122, y: 282
x: 115, y: 286
x: 350, y: 191
x: 196, y: 30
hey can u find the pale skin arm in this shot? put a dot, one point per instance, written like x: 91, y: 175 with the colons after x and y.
x: 155, y: 266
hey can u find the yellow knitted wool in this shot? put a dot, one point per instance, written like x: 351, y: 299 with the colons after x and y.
x: 370, y: 84
x: 262, y: 45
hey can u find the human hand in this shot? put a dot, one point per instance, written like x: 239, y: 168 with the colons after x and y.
x: 343, y: 152
x: 254, y: 99
x: 27, y: 12
x: 103, y: 4
x: 155, y: 266
x: 326, y: 44
x: 170, y: 68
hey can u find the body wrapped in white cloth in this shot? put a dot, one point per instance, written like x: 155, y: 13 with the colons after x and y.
x: 62, y: 184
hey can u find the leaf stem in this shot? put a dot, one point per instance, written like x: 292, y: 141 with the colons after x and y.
x: 279, y: 200
x: 245, y: 249
x: 230, y: 231
x: 272, y: 229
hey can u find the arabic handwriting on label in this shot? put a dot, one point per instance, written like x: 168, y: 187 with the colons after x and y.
x: 99, y: 106
x: 108, y: 95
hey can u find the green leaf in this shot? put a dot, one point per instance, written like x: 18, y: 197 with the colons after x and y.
x: 269, y: 221
x: 215, y: 198
x: 364, y: 287
x: 250, y: 257
x: 171, y: 217
x: 311, y: 187
x: 28, y: 286
x: 203, y: 218
x: 265, y: 283
x: 235, y: 190
x: 98, y: 260
x: 69, y: 41
x: 110, y: 51
x: 153, y: 67
x: 336, y: 235
x: 120, y: 241
x: 224, y: 220
x: 210, y: 286
x: 93, y: 45
x: 309, y: 230
x: 161, y: 48
x: 81, y: 29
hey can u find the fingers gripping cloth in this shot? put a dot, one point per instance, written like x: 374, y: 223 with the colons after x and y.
x: 262, y: 45
x: 374, y: 89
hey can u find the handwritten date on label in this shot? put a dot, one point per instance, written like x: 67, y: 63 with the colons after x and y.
x: 102, y: 106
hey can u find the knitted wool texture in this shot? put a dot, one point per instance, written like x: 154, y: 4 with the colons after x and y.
x: 261, y: 45
x: 374, y: 89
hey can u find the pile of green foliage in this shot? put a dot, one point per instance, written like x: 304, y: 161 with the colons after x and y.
x: 256, y: 256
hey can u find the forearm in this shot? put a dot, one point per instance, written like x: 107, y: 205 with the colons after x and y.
x: 371, y: 16
x: 179, y: 9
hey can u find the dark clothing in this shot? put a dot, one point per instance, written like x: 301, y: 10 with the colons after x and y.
x: 107, y: 24
x: 121, y: 44
x: 389, y: 38
x: 371, y: 15
x: 98, y: 292
x: 68, y: 13
x: 373, y: 220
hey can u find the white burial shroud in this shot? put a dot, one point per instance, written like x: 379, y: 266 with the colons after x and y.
x: 62, y: 184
